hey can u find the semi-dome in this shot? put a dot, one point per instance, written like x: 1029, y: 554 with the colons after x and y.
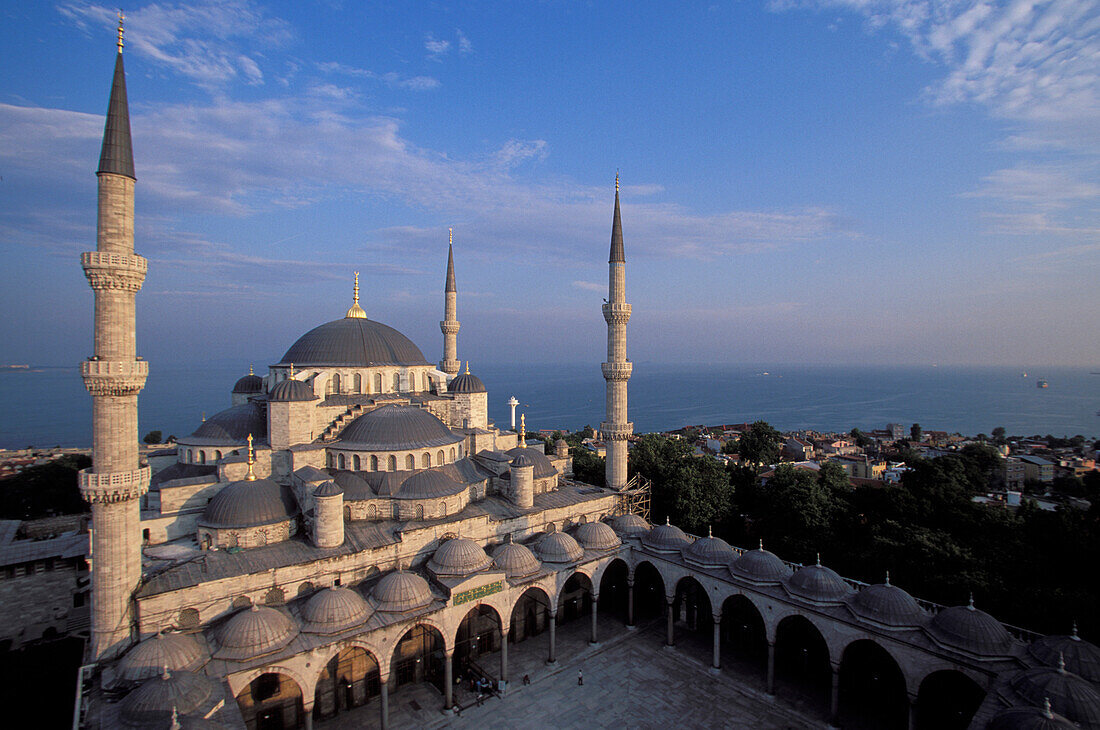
x: 1069, y: 695
x: 630, y: 525
x: 1029, y: 718
x: 517, y: 561
x: 153, y: 703
x: 291, y: 390
x: 401, y: 591
x: 558, y: 547
x: 397, y: 428
x: 233, y: 425
x: 708, y: 552
x: 968, y: 629
x: 666, y: 538
x: 428, y: 484
x: 819, y: 584
x: 458, y: 558
x: 249, y: 384
x: 466, y: 383
x: 543, y: 466
x: 333, y: 610
x: 596, y: 536
x: 254, y: 632
x: 177, y: 652
x: 760, y: 566
x: 887, y: 605
x: 1081, y: 657
x: 249, y: 504
x: 356, y: 342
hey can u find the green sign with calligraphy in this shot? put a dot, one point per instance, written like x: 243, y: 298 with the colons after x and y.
x: 475, y: 593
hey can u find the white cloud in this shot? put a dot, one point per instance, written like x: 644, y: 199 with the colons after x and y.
x: 1043, y: 188
x: 516, y: 151
x: 464, y: 44
x: 590, y: 286
x: 436, y: 47
x: 391, y: 78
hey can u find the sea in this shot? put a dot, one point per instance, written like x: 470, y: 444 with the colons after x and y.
x: 48, y: 406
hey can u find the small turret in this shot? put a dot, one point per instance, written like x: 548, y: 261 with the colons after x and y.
x: 328, y: 515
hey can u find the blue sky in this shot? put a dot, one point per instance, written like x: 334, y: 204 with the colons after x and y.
x: 824, y: 181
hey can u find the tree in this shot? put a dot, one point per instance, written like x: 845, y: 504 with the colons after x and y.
x: 692, y: 492
x: 731, y: 446
x: 862, y: 440
x: 999, y: 434
x: 45, y: 490
x: 153, y: 437
x: 796, y: 511
x: 760, y: 444
x: 915, y: 432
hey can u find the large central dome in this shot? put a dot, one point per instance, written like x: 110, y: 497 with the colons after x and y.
x: 353, y: 341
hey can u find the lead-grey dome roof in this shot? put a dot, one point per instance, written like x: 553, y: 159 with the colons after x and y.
x: 709, y: 552
x: 516, y: 560
x: 151, y: 704
x: 558, y: 547
x: 233, y: 425
x: 819, y: 584
x: 401, y: 591
x: 887, y: 605
x: 458, y: 558
x: 760, y: 566
x: 543, y: 466
x: 666, y: 538
x: 596, y: 536
x: 353, y: 341
x: 250, y: 383
x: 291, y: 390
x: 328, y: 489
x: 466, y: 383
x: 429, y: 484
x: 967, y: 628
x: 177, y: 652
x: 333, y: 610
x: 1081, y: 657
x: 1029, y: 718
x: 396, y: 428
x: 254, y: 632
x: 630, y: 525
x: 249, y: 504
x: 1069, y: 695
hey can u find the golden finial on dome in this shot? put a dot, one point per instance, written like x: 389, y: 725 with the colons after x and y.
x: 291, y: 376
x: 121, y: 17
x: 251, y: 460
x: 467, y: 367
x: 250, y: 369
x: 522, y: 431
x: 356, y: 312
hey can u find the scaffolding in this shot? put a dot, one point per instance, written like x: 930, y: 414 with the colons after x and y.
x: 634, y: 497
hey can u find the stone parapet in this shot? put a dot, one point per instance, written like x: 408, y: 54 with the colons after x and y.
x: 616, y: 431
x: 114, y: 377
x: 107, y: 270
x: 114, y: 486
x: 616, y: 312
x: 617, y: 370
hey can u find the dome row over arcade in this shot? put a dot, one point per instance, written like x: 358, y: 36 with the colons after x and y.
x: 458, y: 558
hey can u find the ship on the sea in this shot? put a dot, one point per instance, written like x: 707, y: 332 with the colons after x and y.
x: 1042, y: 383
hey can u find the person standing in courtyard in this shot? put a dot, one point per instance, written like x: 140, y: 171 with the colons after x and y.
x: 580, y: 678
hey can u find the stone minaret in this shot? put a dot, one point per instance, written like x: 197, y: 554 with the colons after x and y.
x: 616, y: 371
x: 449, y: 326
x: 114, y: 377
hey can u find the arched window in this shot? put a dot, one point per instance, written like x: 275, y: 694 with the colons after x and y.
x: 335, y: 383
x: 410, y: 462
x: 342, y: 462
x: 419, y: 513
x: 426, y: 460
x: 372, y: 511
x: 202, y: 457
x: 374, y: 463
x: 378, y: 382
x: 355, y: 460
x: 347, y: 513
x: 217, y: 455
x: 452, y: 453
x: 396, y: 382
x: 358, y: 383
x: 439, y: 458
x: 460, y: 451
x: 392, y: 463
x: 187, y: 456
x: 427, y: 382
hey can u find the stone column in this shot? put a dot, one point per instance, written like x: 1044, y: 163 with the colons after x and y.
x: 671, y: 638
x: 448, y: 679
x: 912, y: 712
x: 834, y: 696
x: 553, y: 638
x: 630, y: 603
x: 717, y: 660
x: 771, y: 668
x: 503, y: 654
x: 592, y: 640
x: 384, y: 717
x: 309, y: 717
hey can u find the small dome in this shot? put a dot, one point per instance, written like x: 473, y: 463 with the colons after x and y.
x: 249, y: 504
x: 333, y: 610
x: 233, y: 425
x: 289, y: 391
x: 819, y: 584
x: 458, y: 558
x: 630, y: 525
x: 596, y: 536
x: 401, y: 591
x: 328, y: 489
x: 887, y: 605
x: 523, y: 459
x: 967, y: 628
x: 558, y: 547
x: 1069, y: 695
x: 466, y: 383
x: 543, y: 466
x: 1081, y: 657
x: 178, y: 652
x: 397, y: 428
x: 760, y: 566
x: 429, y: 484
x: 666, y: 538
x: 517, y: 561
x: 708, y: 552
x: 249, y: 384
x: 1029, y: 718
x: 152, y: 703
x: 254, y: 632
x: 355, y: 341
x: 561, y: 445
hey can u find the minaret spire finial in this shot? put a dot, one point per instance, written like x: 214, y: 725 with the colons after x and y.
x: 522, y: 431
x: 251, y: 460
x: 121, y: 17
x: 450, y: 236
x: 356, y: 312
x: 616, y: 182
x: 250, y: 371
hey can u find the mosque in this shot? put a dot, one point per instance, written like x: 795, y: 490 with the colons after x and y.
x: 353, y: 523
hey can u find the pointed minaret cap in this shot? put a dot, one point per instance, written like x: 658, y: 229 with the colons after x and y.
x: 116, y: 157
x: 451, y: 261
x: 618, y: 256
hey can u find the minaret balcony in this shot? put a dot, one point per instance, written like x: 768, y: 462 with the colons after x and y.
x: 616, y: 431
x: 616, y: 312
x: 106, y: 270
x: 114, y: 377
x: 617, y: 370
x: 449, y: 326
x: 114, y: 487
